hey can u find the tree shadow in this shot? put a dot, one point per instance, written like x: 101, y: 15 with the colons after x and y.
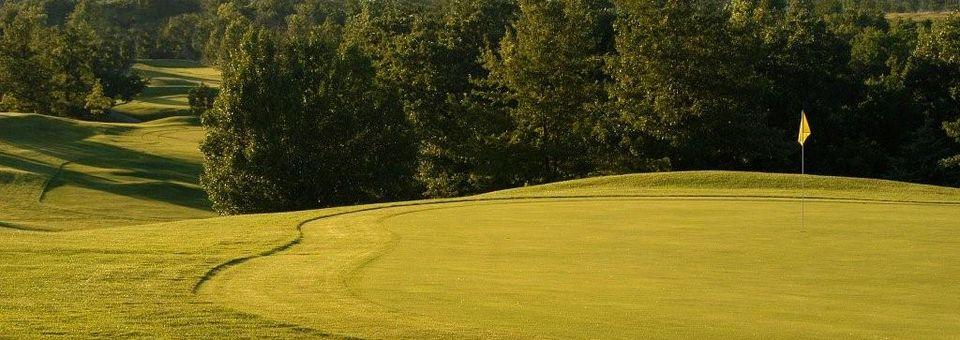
x: 152, y: 177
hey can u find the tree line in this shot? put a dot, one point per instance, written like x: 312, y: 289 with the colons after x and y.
x: 65, y: 63
x: 393, y: 99
x: 328, y: 102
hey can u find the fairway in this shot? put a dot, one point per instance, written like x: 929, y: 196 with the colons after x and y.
x: 62, y: 174
x: 168, y: 86
x: 482, y: 169
x: 674, y: 255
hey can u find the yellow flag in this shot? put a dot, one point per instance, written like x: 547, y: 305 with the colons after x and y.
x: 804, y: 128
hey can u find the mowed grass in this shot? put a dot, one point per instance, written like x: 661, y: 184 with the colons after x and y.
x: 614, y: 257
x: 674, y: 255
x: 167, y: 92
x: 132, y: 282
x: 61, y: 174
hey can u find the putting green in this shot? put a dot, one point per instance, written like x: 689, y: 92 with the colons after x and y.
x: 615, y: 267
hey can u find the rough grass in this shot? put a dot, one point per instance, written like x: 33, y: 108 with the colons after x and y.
x: 166, y: 93
x: 132, y: 281
x: 60, y: 174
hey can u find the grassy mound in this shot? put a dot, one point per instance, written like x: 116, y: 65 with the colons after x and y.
x: 60, y: 174
x: 759, y: 185
x: 166, y: 93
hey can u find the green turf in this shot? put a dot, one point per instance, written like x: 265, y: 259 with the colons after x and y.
x: 60, y: 174
x: 169, y: 83
x: 132, y: 282
x: 674, y: 255
x: 512, y: 265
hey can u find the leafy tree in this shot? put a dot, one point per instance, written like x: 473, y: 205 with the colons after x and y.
x: 26, y: 82
x: 303, y: 124
x: 432, y: 58
x: 689, y: 86
x: 97, y: 103
x: 105, y: 49
x: 932, y: 79
x: 182, y: 37
x: 549, y: 71
x: 953, y: 130
x: 54, y: 69
x: 201, y: 99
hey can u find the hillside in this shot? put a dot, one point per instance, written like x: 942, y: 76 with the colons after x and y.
x: 607, y: 261
x: 169, y: 83
x: 60, y: 174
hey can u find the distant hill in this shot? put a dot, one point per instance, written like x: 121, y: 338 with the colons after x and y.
x: 63, y: 174
x: 170, y: 81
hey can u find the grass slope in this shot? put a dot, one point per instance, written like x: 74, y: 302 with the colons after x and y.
x: 169, y: 83
x: 60, y: 174
x: 509, y: 264
x: 599, y: 258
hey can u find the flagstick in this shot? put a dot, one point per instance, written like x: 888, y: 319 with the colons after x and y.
x: 803, y: 194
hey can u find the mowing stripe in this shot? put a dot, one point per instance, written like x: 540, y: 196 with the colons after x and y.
x: 46, y: 184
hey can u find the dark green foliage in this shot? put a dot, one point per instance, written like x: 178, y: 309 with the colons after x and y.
x: 342, y: 101
x: 304, y: 124
x: 548, y: 73
x: 97, y: 103
x: 201, y: 98
x: 61, y: 70
x: 932, y: 80
x: 432, y: 59
x: 693, y: 82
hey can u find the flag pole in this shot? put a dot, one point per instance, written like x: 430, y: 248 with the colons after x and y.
x: 803, y: 193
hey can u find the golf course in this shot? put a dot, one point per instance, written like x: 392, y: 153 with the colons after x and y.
x: 105, y: 233
x: 479, y: 169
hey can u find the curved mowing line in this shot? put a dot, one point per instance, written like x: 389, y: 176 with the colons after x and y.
x: 8, y: 225
x: 46, y: 184
x: 299, y: 238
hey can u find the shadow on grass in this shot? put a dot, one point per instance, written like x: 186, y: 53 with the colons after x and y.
x: 152, y: 177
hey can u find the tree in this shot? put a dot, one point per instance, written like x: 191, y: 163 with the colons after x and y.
x: 953, y: 130
x: 201, y: 99
x: 106, y: 49
x: 688, y: 85
x: 432, y: 58
x: 932, y: 79
x: 549, y: 71
x: 53, y: 69
x: 96, y: 102
x: 303, y: 124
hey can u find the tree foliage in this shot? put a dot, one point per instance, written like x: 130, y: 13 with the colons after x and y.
x: 61, y: 69
x: 301, y: 124
x: 342, y: 101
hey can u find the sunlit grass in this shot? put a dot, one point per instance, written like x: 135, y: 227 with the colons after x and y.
x: 672, y: 255
x: 735, y: 265
x: 166, y: 94
x: 60, y: 174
